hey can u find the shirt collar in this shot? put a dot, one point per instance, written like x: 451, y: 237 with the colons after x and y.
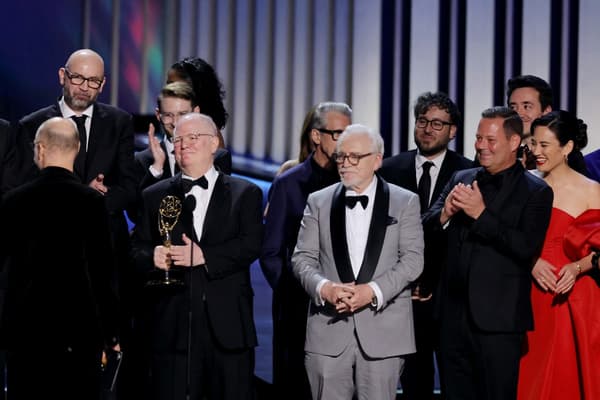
x: 437, y: 161
x: 67, y: 112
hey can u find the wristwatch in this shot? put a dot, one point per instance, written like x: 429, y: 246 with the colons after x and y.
x: 374, y: 301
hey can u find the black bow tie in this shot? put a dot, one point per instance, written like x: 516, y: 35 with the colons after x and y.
x: 187, y: 184
x: 352, y: 200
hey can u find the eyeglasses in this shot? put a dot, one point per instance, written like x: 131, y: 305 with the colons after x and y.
x: 352, y: 158
x: 76, y: 79
x: 335, y: 134
x: 170, y: 117
x: 191, y: 138
x: 436, y: 124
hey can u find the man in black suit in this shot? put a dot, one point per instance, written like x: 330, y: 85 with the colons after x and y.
x: 217, y: 236
x: 105, y: 161
x: 495, y: 219
x: 158, y: 161
x: 60, y: 311
x: 432, y: 166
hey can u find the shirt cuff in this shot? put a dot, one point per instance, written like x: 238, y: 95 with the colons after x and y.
x: 319, y: 300
x: 378, y: 295
x: 155, y: 173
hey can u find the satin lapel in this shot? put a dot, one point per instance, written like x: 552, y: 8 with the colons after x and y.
x: 167, y: 164
x: 447, y: 169
x: 186, y: 219
x: 219, y: 206
x: 339, y: 245
x: 377, y: 231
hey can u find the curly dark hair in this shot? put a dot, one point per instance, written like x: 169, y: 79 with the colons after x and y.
x: 439, y: 100
x: 208, y: 89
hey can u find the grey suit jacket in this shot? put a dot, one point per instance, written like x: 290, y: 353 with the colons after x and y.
x: 393, y: 259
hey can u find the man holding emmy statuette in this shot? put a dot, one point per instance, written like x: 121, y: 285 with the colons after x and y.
x: 61, y: 310
x: 205, y: 229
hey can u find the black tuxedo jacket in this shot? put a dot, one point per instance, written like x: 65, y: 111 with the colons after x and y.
x: 110, y: 152
x: 230, y: 242
x: 400, y: 170
x: 490, y: 259
x: 56, y: 250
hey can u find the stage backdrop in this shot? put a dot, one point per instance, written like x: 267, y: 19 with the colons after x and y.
x: 279, y: 57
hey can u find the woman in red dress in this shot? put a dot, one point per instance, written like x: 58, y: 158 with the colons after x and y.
x: 561, y: 356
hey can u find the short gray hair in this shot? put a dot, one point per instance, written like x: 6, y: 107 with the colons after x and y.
x: 359, y: 129
x: 326, y: 107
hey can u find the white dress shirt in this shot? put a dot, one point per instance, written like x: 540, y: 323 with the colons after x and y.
x: 202, y: 199
x: 67, y: 112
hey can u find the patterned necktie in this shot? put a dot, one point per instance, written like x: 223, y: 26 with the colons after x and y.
x: 424, y: 188
x: 352, y: 200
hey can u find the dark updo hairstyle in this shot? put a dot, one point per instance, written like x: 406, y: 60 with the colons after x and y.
x: 566, y: 127
x: 207, y: 87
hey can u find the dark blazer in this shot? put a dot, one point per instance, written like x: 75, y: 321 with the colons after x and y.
x: 110, y: 152
x: 497, y: 250
x: 400, y: 170
x: 57, y: 252
x: 144, y: 160
x: 230, y: 242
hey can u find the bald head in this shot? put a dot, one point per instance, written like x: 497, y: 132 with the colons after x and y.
x: 82, y: 79
x: 56, y: 143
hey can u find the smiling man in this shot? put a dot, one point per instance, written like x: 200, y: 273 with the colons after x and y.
x: 217, y: 237
x: 494, y: 220
x: 356, y: 262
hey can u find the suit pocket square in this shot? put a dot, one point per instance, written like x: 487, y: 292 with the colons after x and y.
x: 391, y: 221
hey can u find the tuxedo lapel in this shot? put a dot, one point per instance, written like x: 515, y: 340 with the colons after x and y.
x: 186, y: 219
x: 219, y: 205
x: 377, y: 231
x: 167, y: 165
x: 447, y: 169
x: 99, y: 130
x: 339, y: 244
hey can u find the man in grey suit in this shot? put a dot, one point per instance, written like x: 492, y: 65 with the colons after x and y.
x: 357, y: 263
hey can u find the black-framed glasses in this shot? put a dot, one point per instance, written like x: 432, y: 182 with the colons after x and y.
x: 76, y: 79
x: 191, y: 138
x: 436, y: 124
x: 352, y: 158
x: 170, y: 117
x: 335, y: 134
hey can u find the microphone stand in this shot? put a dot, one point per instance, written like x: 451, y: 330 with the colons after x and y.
x: 191, y: 205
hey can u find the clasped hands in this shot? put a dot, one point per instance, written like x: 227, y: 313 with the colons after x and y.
x: 466, y: 198
x: 545, y: 275
x: 347, y: 297
x: 165, y: 257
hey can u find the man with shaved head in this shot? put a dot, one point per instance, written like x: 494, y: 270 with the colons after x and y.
x: 105, y: 160
x: 61, y: 310
x: 215, y: 238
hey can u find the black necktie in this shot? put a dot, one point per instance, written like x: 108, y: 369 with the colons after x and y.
x: 187, y: 184
x: 80, y: 159
x: 424, y: 187
x: 352, y: 200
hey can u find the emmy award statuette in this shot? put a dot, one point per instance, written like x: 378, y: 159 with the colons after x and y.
x: 168, y: 215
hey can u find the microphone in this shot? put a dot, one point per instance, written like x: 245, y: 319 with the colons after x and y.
x: 189, y: 204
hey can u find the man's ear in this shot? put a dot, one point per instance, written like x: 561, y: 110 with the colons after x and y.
x: 61, y: 76
x: 196, y: 109
x: 315, y: 136
x: 515, y: 142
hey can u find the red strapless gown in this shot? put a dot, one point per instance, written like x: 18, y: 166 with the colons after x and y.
x: 561, y: 356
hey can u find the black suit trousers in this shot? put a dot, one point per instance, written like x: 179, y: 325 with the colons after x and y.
x: 215, y: 372
x: 476, y: 365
